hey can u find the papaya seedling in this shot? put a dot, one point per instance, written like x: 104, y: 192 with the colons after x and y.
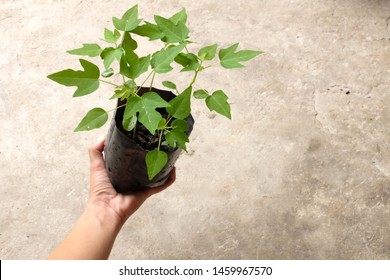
x: 119, y: 57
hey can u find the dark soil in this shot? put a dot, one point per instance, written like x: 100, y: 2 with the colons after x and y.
x: 148, y: 141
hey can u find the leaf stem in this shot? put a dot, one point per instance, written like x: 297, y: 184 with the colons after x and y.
x: 194, y: 79
x: 159, y: 138
x: 103, y: 81
x: 147, y: 78
x: 134, y: 131
x: 211, y: 65
x: 120, y: 106
x: 151, y: 83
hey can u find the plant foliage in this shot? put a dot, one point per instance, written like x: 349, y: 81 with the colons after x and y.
x: 120, y: 57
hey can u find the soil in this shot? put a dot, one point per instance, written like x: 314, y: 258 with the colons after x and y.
x: 148, y: 141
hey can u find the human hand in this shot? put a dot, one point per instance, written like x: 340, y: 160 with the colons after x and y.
x: 104, y: 199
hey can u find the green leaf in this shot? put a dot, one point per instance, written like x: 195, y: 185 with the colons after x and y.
x: 161, y: 60
x: 194, y: 63
x: 155, y: 162
x: 179, y: 17
x: 162, y: 124
x: 169, y: 84
x: 181, y: 105
x: 109, y: 55
x: 128, y: 43
x: 95, y: 118
x: 174, y: 33
x: 227, y: 51
x: 108, y: 73
x: 86, y: 81
x: 208, y: 53
x: 111, y: 36
x: 201, y: 94
x: 189, y: 61
x: 132, y: 67
x: 231, y: 59
x: 129, y: 123
x: 218, y: 102
x: 124, y: 91
x: 180, y: 124
x: 91, y: 50
x: 145, y: 106
x: 182, y: 59
x: 129, y: 20
x: 140, y: 67
x: 117, y: 94
x: 176, y: 137
x: 149, y: 30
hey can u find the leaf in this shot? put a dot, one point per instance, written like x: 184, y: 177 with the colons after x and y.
x: 218, y: 102
x: 95, y: 118
x: 169, y: 84
x: 129, y: 123
x: 155, y: 162
x: 145, y: 106
x: 208, y: 53
x: 201, y: 94
x: 111, y: 36
x: 132, y: 67
x: 176, y: 137
x: 231, y: 59
x: 174, y: 33
x: 182, y: 59
x: 194, y: 63
x: 189, y: 61
x: 161, y: 60
x: 90, y: 50
x: 117, y: 94
x: 140, y: 67
x: 181, y: 105
x: 181, y: 16
x: 124, y: 91
x: 108, y: 73
x: 180, y: 124
x: 109, y: 55
x: 86, y: 81
x: 162, y: 123
x: 129, y: 20
x: 128, y: 43
x: 149, y: 30
x: 227, y: 51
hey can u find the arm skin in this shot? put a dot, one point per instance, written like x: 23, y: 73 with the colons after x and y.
x: 106, y: 212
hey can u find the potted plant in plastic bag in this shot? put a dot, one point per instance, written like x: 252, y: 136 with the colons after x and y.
x: 150, y: 126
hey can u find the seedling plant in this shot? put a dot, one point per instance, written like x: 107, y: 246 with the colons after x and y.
x: 120, y: 57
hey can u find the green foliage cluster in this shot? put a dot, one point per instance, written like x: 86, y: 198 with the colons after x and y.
x: 173, y: 34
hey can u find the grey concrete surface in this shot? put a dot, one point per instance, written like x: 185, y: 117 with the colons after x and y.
x: 301, y: 172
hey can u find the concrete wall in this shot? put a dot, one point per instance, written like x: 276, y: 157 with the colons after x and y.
x: 301, y: 172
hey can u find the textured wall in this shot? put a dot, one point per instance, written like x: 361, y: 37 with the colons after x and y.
x: 302, y: 171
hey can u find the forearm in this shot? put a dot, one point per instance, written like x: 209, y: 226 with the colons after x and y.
x: 92, y: 237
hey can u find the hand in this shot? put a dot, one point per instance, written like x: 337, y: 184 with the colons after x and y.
x: 103, y: 197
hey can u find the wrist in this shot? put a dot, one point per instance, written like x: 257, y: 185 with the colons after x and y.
x: 107, y: 217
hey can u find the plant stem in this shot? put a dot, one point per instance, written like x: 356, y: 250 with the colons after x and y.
x: 147, y: 78
x: 194, y: 79
x: 123, y: 105
x: 211, y: 65
x: 169, y: 119
x: 151, y: 83
x: 103, y: 81
x: 134, y: 131
x: 159, y: 138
